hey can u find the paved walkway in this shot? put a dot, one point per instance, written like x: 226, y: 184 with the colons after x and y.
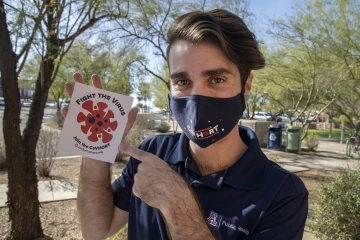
x: 53, y: 190
x: 329, y: 157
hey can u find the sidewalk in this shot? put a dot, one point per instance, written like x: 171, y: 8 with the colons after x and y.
x: 52, y: 190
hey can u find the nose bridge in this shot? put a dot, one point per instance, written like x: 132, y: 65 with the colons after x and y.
x: 198, y: 88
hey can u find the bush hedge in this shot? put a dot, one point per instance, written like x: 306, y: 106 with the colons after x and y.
x: 337, y: 210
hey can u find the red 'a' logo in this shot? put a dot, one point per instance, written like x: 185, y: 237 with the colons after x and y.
x: 98, y: 122
x: 212, y: 220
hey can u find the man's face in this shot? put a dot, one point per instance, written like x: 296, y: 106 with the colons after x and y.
x: 202, y: 69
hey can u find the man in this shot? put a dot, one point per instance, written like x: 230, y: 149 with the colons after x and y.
x: 212, y: 181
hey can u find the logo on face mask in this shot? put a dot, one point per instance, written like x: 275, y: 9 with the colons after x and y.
x: 204, y: 133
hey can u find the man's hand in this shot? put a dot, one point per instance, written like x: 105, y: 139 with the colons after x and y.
x: 155, y: 182
x: 97, y: 83
x: 161, y: 187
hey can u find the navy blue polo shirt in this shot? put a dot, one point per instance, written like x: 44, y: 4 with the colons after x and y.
x: 253, y: 199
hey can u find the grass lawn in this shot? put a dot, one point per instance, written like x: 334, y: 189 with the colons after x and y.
x: 336, y: 133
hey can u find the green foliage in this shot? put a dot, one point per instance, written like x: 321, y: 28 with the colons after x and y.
x: 274, y: 158
x: 337, y: 210
x: 344, y: 120
x: 312, y: 141
x: 335, y: 133
x: 58, y: 119
x: 160, y: 90
x: 163, y: 127
x: 101, y: 59
x: 144, y: 93
x: 313, y: 64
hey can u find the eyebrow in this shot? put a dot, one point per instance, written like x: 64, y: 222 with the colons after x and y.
x: 205, y: 73
x: 216, y: 71
x: 178, y: 75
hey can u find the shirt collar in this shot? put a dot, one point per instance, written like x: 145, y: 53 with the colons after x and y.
x: 246, y: 174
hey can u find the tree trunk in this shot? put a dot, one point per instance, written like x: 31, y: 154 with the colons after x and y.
x: 22, y: 181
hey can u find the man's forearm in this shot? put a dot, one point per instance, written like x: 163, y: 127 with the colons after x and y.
x: 95, y: 200
x: 185, y: 220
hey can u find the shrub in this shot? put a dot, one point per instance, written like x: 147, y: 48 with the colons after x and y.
x: 274, y: 158
x: 58, y: 119
x: 312, y: 142
x: 134, y: 137
x: 163, y: 127
x: 343, y: 120
x: 46, y: 150
x: 2, y: 157
x: 337, y: 210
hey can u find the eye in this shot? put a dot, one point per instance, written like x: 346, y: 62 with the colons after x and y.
x: 217, y: 80
x: 182, y: 82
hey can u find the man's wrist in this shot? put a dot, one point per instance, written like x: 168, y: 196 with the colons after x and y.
x: 94, y: 170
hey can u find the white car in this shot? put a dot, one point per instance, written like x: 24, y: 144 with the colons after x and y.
x: 26, y: 103
x: 265, y: 116
x: 311, y: 117
x: 50, y: 104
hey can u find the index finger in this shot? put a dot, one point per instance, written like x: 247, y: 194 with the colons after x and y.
x: 137, y: 153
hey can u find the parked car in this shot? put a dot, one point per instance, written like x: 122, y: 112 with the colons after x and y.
x: 282, y: 118
x: 26, y: 103
x: 311, y: 117
x: 64, y: 104
x: 2, y: 102
x: 50, y: 104
x: 265, y: 116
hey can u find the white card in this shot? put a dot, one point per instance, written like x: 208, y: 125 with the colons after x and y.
x: 95, y: 123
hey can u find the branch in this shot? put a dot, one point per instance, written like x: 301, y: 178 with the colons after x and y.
x: 36, y: 27
x: 154, y: 74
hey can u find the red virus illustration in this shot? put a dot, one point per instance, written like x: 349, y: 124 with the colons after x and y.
x: 97, y: 122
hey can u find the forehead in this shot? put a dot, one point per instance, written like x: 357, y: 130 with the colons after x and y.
x: 185, y: 56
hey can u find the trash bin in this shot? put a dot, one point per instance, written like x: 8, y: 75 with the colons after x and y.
x: 293, y: 136
x: 274, y: 136
x: 260, y: 128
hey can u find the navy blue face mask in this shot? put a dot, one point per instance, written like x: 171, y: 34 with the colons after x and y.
x: 206, y: 120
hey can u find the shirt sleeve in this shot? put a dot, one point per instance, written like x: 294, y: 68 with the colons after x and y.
x: 122, y: 187
x: 285, y: 218
x: 285, y: 221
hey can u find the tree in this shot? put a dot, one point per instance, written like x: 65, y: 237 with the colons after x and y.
x: 47, y: 29
x: 255, y: 100
x: 317, y: 55
x: 160, y: 90
x: 114, y: 65
x: 144, y: 93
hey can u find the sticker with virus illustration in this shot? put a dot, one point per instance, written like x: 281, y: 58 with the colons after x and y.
x: 95, y: 123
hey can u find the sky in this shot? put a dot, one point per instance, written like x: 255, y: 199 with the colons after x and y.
x: 264, y: 9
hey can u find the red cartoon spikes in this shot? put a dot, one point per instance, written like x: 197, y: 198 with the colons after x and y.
x: 97, y: 121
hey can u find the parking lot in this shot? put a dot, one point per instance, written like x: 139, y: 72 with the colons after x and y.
x: 48, y: 116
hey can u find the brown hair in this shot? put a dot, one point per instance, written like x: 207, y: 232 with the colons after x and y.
x: 227, y: 31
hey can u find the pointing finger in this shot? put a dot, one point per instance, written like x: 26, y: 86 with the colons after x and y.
x: 136, y: 153
x: 131, y: 120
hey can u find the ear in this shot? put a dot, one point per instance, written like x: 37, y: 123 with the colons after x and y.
x: 248, y: 83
